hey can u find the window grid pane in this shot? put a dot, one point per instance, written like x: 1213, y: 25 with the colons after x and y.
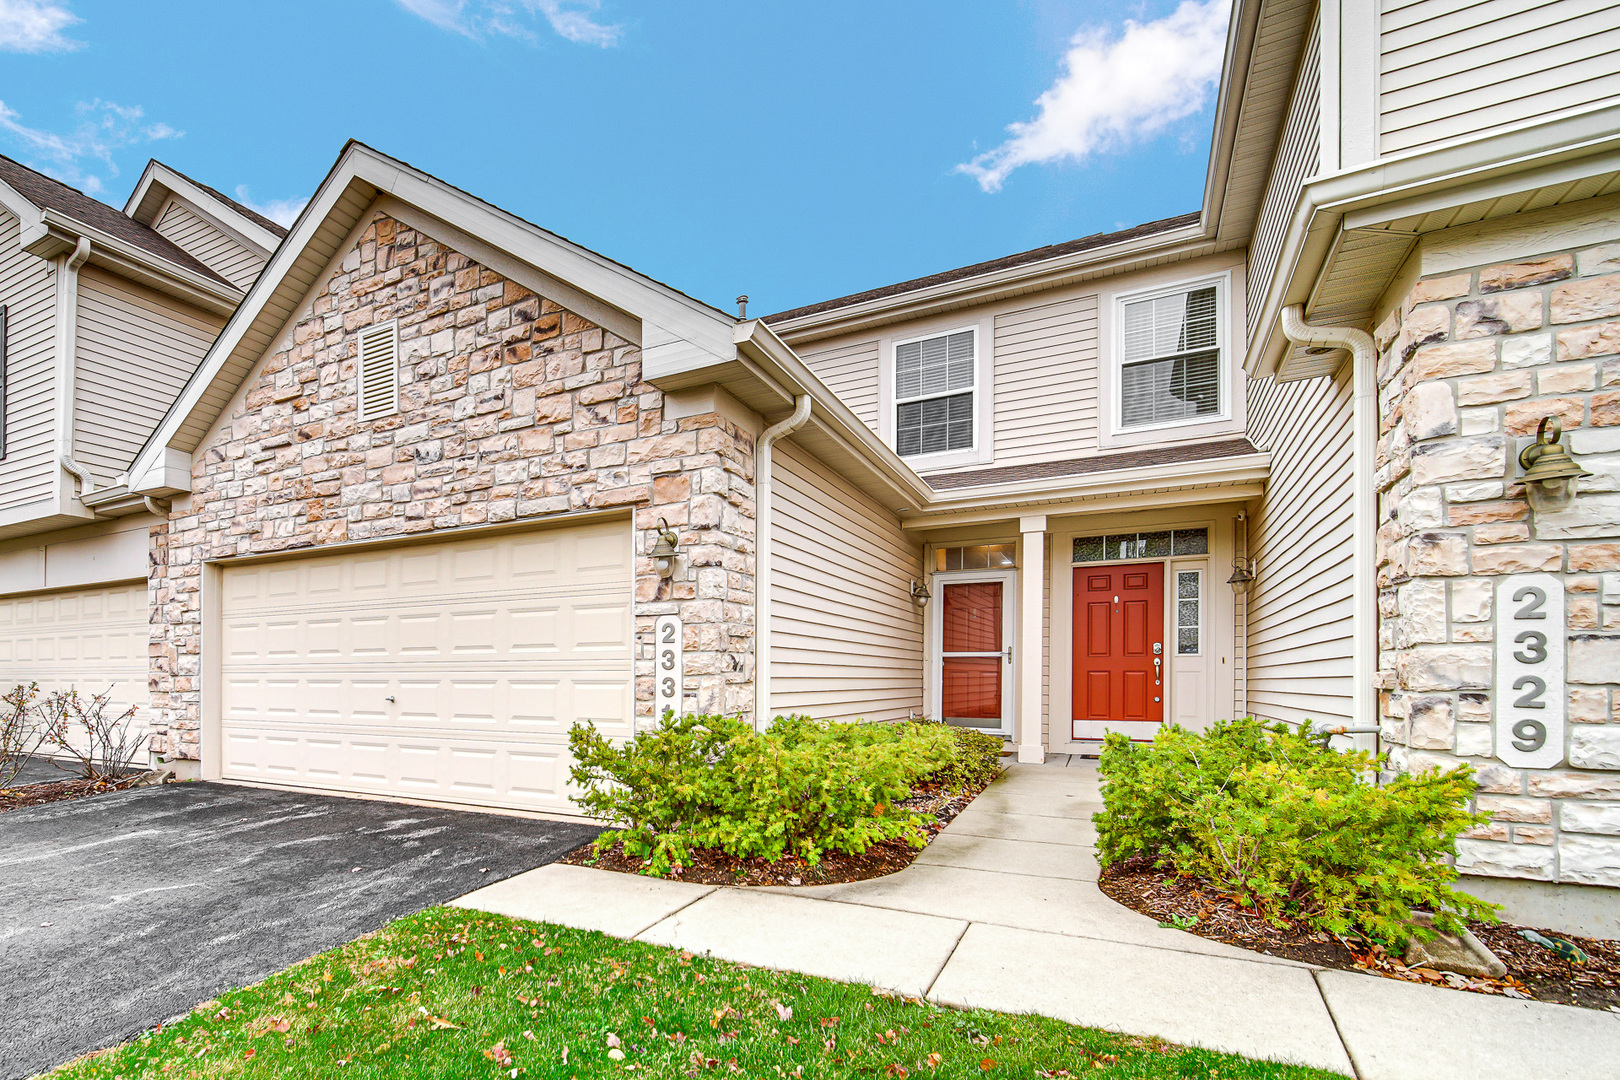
x: 1150, y: 545
x: 935, y: 425
x: 1171, y: 362
x: 1189, y: 589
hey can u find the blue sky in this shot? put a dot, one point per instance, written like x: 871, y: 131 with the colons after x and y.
x: 792, y: 151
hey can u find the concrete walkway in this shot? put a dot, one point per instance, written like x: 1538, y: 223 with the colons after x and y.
x: 1002, y: 911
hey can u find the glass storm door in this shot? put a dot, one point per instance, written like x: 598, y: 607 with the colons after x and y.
x: 1118, y: 650
x: 973, y: 627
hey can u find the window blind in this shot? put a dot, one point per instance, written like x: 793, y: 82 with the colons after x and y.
x: 1172, y: 362
x: 935, y: 366
x: 933, y: 389
x: 379, y: 370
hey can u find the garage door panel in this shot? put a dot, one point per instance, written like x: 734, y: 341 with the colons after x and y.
x: 488, y: 649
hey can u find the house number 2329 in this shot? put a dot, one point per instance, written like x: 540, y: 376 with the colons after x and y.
x: 1529, y: 692
x: 669, y: 664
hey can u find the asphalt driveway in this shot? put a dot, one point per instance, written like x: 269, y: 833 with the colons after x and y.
x: 121, y: 911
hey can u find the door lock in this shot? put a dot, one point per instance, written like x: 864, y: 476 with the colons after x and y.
x: 1158, y: 648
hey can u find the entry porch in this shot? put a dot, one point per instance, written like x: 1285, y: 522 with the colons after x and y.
x: 1051, y: 630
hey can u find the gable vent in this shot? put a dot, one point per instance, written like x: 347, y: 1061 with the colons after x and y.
x: 379, y: 370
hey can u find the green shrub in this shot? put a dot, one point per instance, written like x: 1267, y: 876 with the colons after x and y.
x: 975, y: 761
x: 1290, y: 827
x: 802, y: 787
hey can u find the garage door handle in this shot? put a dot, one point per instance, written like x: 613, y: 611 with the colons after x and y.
x: 389, y: 699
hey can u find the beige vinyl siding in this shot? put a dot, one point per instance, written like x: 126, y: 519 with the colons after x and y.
x: 28, y: 290
x: 851, y: 372
x: 1298, y: 154
x: 136, y: 349
x: 1454, y: 68
x: 846, y: 638
x: 1301, y: 606
x: 216, y: 249
x: 1046, y: 381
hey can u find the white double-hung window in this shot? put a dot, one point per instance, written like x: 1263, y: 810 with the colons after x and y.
x: 935, y: 381
x: 1170, y: 357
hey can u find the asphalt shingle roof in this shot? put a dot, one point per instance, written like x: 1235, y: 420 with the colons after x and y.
x: 46, y: 193
x: 1034, y: 255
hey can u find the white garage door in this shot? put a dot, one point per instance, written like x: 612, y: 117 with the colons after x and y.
x: 445, y: 671
x: 91, y: 639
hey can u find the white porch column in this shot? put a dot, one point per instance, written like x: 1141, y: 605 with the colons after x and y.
x: 1031, y: 604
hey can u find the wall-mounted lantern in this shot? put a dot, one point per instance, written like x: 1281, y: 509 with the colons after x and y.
x: 919, y: 593
x: 1549, y: 472
x: 1242, y: 575
x: 663, y: 552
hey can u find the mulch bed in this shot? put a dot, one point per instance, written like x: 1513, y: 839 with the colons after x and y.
x: 715, y: 867
x: 60, y: 790
x: 1534, y: 972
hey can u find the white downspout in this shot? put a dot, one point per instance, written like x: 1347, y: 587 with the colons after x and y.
x: 67, y: 346
x: 762, y: 555
x: 1363, y: 383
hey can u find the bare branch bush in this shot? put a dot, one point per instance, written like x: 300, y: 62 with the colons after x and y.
x: 20, y: 732
x: 101, y: 744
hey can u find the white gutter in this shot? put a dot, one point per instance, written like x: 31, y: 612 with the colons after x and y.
x: 1364, y: 361
x: 762, y: 555
x: 67, y: 347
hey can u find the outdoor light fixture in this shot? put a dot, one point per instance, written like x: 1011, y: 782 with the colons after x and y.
x: 920, y: 593
x: 1549, y: 472
x: 1242, y: 574
x: 663, y: 552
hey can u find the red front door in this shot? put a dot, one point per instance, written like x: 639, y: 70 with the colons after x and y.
x: 1118, y: 649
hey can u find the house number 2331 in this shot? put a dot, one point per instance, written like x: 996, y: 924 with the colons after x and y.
x: 1529, y: 692
x: 669, y: 664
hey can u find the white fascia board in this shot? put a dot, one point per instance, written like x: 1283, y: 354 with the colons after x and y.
x: 1529, y: 156
x: 631, y: 292
x: 1239, y: 469
x: 159, y: 181
x: 26, y: 213
x: 1240, y: 37
x: 760, y: 343
x: 614, y: 284
x: 54, y: 233
x: 983, y: 287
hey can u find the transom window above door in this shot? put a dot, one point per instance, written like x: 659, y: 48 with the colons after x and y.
x: 1147, y: 545
x: 935, y: 380
x: 1170, y: 358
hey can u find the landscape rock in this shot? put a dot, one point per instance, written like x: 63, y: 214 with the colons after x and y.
x: 1465, y: 954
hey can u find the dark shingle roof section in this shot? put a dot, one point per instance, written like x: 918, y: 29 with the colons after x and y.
x: 46, y: 193
x: 1006, y: 262
x: 1129, y: 459
x: 251, y: 214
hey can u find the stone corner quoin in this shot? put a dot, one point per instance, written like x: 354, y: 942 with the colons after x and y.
x: 1470, y: 360
x: 511, y: 408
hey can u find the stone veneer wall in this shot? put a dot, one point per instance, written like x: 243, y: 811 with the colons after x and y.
x: 510, y: 408
x: 1470, y: 361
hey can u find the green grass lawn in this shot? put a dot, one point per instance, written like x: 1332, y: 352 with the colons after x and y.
x: 454, y: 993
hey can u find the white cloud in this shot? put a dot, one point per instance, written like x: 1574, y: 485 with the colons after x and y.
x: 85, y: 156
x: 281, y: 211
x: 569, y: 19
x: 33, y: 26
x: 1116, y: 90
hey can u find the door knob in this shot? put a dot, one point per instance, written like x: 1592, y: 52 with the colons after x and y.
x: 1009, y: 654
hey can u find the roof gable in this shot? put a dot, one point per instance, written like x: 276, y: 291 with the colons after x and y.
x: 160, y: 182
x: 601, y: 290
x: 46, y: 194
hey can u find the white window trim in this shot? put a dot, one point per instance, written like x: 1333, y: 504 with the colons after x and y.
x: 938, y: 579
x: 982, y: 407
x: 1223, y: 340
